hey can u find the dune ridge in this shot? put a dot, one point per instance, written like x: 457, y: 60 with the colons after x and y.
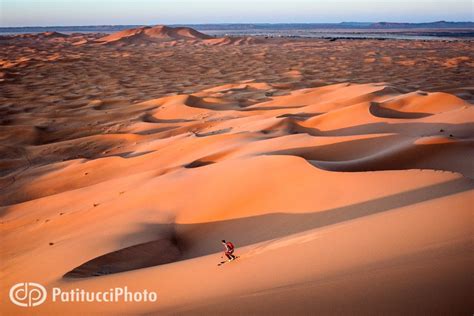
x: 339, y: 111
x: 199, y: 142
x: 150, y: 34
x: 171, y: 36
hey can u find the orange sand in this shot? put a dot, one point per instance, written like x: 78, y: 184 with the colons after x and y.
x: 348, y: 198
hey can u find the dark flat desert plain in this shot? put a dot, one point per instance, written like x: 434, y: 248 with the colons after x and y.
x: 341, y: 170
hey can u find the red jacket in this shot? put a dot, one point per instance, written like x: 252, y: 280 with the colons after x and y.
x: 229, y: 247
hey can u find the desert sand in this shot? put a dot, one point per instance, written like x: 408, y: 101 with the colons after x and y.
x: 342, y: 171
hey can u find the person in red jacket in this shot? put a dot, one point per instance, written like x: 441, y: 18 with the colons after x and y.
x: 229, y: 250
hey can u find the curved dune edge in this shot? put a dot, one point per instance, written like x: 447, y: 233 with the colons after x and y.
x: 153, y: 253
x: 122, y: 136
x: 143, y: 192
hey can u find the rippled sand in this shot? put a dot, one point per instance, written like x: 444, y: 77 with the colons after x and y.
x: 342, y: 172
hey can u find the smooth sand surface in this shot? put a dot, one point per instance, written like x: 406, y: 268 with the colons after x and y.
x: 342, y: 171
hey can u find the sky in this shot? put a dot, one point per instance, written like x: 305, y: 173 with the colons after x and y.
x: 106, y: 12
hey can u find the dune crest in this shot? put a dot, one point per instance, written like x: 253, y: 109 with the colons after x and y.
x: 171, y: 36
x: 153, y: 34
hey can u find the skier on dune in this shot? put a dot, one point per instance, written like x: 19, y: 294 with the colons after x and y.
x: 229, y: 250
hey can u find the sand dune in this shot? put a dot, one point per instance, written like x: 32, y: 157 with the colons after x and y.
x: 222, y: 41
x: 152, y: 34
x: 257, y: 175
x: 342, y: 198
x: 172, y: 36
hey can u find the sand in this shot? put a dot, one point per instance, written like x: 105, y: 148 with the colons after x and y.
x: 342, y: 172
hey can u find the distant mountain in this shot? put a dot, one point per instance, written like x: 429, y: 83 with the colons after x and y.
x: 357, y: 24
x: 342, y: 25
x: 433, y: 25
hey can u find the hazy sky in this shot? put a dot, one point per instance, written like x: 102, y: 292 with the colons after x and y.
x: 94, y: 12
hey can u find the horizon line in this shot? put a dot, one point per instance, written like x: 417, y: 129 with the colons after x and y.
x: 235, y: 23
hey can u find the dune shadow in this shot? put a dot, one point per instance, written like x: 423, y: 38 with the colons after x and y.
x: 149, y: 118
x: 343, y: 150
x: 144, y: 255
x: 391, y: 152
x: 187, y: 241
x: 378, y: 110
x: 408, y: 128
x: 302, y: 116
x: 131, y: 154
x: 157, y: 130
x: 216, y: 132
x: 198, y: 163
x: 270, y: 108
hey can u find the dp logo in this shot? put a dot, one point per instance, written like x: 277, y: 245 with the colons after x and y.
x: 28, y: 294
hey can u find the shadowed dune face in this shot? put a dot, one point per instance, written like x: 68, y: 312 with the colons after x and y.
x: 187, y: 241
x: 126, y: 165
x: 333, y: 128
x: 140, y: 256
x: 369, y: 127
